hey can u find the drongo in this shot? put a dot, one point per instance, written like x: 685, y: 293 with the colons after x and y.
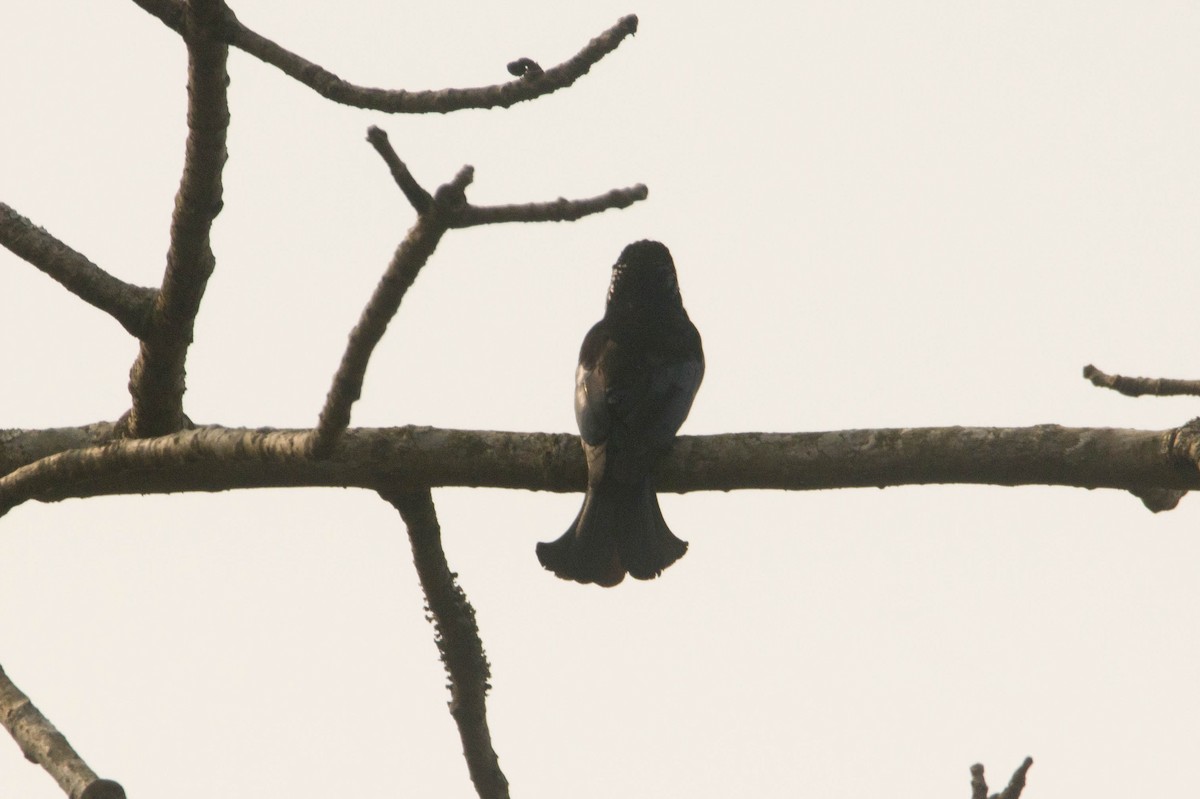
x: 639, y: 368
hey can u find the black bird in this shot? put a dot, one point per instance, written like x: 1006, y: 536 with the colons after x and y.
x: 639, y: 368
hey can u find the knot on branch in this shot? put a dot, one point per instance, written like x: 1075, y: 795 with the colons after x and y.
x: 525, y: 68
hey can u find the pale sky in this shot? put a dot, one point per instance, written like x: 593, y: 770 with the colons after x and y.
x: 883, y: 214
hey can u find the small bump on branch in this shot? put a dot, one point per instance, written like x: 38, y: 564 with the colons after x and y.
x: 525, y: 68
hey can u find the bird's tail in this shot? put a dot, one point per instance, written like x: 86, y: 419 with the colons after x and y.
x: 619, y: 529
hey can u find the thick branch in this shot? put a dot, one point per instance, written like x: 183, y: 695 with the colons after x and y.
x: 456, y: 634
x: 128, y: 304
x: 1142, y: 386
x: 218, y: 459
x: 156, y: 381
x: 41, y: 743
x: 531, y: 85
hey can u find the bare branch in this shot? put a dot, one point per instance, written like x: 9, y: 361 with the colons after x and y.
x: 446, y: 208
x: 1142, y: 386
x: 417, y: 197
x: 441, y: 101
x: 531, y: 84
x: 156, y: 381
x: 128, y: 304
x: 561, y: 210
x: 1017, y: 783
x: 978, y: 783
x: 44, y: 745
x: 410, y: 256
x: 456, y: 634
x: 219, y: 459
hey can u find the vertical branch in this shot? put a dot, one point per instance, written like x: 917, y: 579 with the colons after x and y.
x: 44, y: 745
x: 457, y: 638
x: 156, y: 381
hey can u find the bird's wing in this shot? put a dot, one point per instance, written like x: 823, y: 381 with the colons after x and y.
x: 672, y: 388
x: 592, y: 407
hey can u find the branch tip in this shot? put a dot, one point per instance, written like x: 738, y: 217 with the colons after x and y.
x: 416, y: 195
x: 1142, y: 386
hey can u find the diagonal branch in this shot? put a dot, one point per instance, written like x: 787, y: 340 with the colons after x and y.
x: 220, y: 459
x: 156, y: 381
x: 446, y: 208
x: 44, y: 745
x: 532, y: 83
x: 128, y: 304
x: 1142, y: 386
x: 456, y: 634
x: 410, y: 256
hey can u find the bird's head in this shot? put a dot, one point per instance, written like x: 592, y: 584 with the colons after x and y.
x: 644, y: 277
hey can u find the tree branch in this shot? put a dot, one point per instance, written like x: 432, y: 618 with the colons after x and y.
x: 437, y: 213
x: 156, y: 381
x: 1015, y: 785
x: 219, y: 459
x: 532, y: 83
x: 456, y: 634
x: 560, y: 210
x: 1142, y: 386
x: 422, y: 239
x: 128, y: 304
x: 44, y: 745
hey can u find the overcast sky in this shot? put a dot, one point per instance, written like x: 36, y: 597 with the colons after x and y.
x: 883, y: 214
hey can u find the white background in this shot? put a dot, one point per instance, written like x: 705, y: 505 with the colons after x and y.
x: 884, y: 214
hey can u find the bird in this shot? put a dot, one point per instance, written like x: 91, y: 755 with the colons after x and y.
x: 639, y: 370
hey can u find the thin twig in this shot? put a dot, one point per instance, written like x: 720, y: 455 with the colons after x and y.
x: 128, y: 304
x: 44, y: 745
x: 417, y: 197
x: 156, y: 381
x: 456, y: 634
x: 1142, y: 386
x: 220, y: 459
x: 530, y: 85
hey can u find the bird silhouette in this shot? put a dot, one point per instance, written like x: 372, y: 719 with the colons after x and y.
x: 639, y: 369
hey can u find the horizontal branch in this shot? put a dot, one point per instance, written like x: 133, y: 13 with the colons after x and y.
x: 1142, y: 386
x: 44, y: 745
x: 532, y: 83
x: 560, y: 210
x: 128, y: 304
x: 219, y: 459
